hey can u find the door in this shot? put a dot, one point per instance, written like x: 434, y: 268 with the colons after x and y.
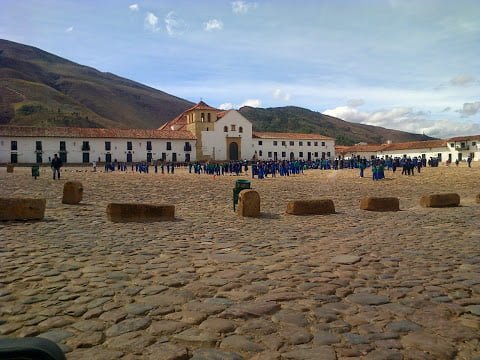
x: 39, y: 158
x: 108, y: 158
x: 275, y: 156
x: 63, y: 157
x: 174, y: 157
x: 13, y: 158
x: 450, y: 158
x: 292, y: 156
x: 233, y: 147
x: 459, y: 156
x: 187, y: 157
x: 309, y: 156
x: 129, y: 157
x: 86, y: 157
x: 149, y: 158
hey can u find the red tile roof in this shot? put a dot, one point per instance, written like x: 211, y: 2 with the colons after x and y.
x: 465, y: 138
x: 202, y: 106
x: 412, y: 145
x: 358, y: 148
x: 292, y: 136
x: 70, y: 132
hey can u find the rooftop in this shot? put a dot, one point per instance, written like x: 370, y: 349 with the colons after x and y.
x: 292, y: 136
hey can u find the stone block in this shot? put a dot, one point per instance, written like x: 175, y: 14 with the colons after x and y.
x: 380, y: 204
x: 311, y: 207
x: 140, y: 212
x: 478, y: 198
x: 10, y: 168
x: 22, y: 209
x: 249, y: 203
x: 440, y: 200
x: 72, y: 192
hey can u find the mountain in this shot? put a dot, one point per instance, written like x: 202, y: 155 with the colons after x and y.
x: 39, y: 88
x: 296, y: 119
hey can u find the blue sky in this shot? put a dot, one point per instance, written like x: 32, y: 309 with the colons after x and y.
x: 402, y: 64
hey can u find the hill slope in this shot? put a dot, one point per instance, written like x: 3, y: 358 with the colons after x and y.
x: 296, y: 119
x: 39, y: 88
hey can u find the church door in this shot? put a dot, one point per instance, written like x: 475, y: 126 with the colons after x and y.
x: 233, y: 150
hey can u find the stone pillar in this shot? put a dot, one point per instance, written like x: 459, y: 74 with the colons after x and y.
x: 440, y: 200
x: 10, y: 168
x: 72, y: 192
x: 249, y: 203
x: 140, y: 212
x: 380, y: 204
x: 22, y: 209
x: 311, y: 207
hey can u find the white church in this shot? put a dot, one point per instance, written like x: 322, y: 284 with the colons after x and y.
x: 201, y: 133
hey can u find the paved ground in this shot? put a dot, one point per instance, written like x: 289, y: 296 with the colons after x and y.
x: 213, y: 286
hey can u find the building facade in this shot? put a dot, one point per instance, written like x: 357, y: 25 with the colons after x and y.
x: 201, y: 133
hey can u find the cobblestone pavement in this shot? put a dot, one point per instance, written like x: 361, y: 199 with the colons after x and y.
x: 211, y: 285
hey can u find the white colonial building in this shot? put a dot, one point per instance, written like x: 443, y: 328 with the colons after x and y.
x: 201, y: 133
x: 457, y: 148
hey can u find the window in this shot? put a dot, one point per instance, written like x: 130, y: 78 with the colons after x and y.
x: 129, y: 145
x: 315, y: 143
x: 316, y: 154
x: 328, y: 153
x: 474, y: 143
x: 38, y: 146
x: 260, y: 153
x: 284, y: 143
x: 86, y: 146
x: 269, y: 154
x: 292, y: 143
x: 309, y: 143
x: 284, y: 154
x: 208, y: 117
x: 452, y: 145
x: 108, y: 145
x: 187, y: 146
x: 275, y: 143
x: 240, y: 129
x: 323, y: 143
x: 300, y: 143
x: 260, y: 142
x: 300, y: 154
x: 149, y: 145
x: 13, y: 146
x: 225, y: 129
x: 232, y: 127
x: 439, y: 156
x: 202, y: 117
x: 169, y: 145
x: 63, y: 146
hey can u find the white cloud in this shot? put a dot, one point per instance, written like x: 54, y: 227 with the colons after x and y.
x: 279, y: 94
x: 249, y: 102
x: 174, y: 24
x: 470, y: 109
x: 406, y: 119
x: 134, y: 7
x: 69, y: 30
x: 242, y: 7
x: 213, y: 24
x: 151, y: 22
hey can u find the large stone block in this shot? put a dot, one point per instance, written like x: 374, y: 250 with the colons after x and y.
x: 380, y: 204
x: 72, y: 192
x: 10, y: 168
x: 249, y: 203
x: 440, y: 200
x: 140, y: 212
x: 311, y: 207
x: 22, y: 209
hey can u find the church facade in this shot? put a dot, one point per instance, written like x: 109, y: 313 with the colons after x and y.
x: 201, y: 133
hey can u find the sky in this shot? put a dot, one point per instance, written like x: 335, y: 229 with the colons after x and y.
x: 410, y: 65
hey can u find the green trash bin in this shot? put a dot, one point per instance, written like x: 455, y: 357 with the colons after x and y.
x: 35, y: 171
x: 239, y: 186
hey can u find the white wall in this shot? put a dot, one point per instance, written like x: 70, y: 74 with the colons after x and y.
x: 267, y: 146
x: 214, y: 142
x: 429, y: 153
x: 51, y: 145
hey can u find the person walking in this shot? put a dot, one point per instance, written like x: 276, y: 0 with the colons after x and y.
x: 56, y: 165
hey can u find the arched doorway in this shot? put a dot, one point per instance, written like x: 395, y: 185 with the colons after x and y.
x: 233, y: 150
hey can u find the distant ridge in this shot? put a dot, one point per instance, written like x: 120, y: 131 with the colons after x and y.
x: 41, y: 89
